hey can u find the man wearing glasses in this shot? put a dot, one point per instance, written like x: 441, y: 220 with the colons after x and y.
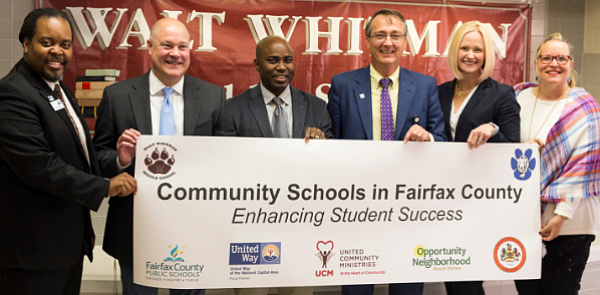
x: 385, y: 102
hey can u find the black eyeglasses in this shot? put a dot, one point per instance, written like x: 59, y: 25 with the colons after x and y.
x: 381, y: 37
x: 560, y: 59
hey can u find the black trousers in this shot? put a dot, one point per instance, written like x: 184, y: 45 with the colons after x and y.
x: 562, y: 267
x: 465, y: 288
x: 47, y: 282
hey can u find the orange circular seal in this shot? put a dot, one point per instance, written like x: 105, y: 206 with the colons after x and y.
x: 510, y: 254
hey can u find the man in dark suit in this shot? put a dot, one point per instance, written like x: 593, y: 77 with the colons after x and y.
x: 306, y: 115
x: 275, y: 109
x: 164, y: 101
x: 47, y: 167
x: 385, y: 102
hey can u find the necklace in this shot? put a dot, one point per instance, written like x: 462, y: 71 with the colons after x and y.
x: 548, y: 116
x: 458, y: 93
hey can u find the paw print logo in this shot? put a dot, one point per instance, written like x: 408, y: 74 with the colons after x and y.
x: 522, y: 164
x: 159, y: 163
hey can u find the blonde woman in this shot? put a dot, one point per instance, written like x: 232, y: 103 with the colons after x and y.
x: 564, y: 121
x: 477, y: 109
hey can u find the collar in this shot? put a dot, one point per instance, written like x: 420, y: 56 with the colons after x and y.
x: 156, y: 85
x: 376, y: 76
x: 52, y: 84
x: 286, y: 95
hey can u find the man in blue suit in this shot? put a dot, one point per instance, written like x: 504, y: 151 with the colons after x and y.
x: 385, y: 102
x: 355, y: 106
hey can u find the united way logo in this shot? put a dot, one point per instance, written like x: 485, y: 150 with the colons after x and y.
x: 159, y: 160
x: 509, y: 254
x: 254, y: 253
x: 175, y: 252
x: 523, y: 164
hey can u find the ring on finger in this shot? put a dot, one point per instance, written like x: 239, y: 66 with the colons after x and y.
x: 317, y: 137
x: 480, y: 141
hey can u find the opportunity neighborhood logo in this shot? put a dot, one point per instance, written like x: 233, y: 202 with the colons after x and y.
x: 254, y: 253
x: 441, y: 258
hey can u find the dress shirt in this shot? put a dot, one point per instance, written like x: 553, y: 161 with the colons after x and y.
x: 286, y: 97
x: 455, y: 116
x: 156, y: 99
x: 376, y: 89
x: 73, y: 114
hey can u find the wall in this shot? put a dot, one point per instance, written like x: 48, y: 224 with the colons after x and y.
x: 579, y: 25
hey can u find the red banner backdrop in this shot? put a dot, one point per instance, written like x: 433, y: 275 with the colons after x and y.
x: 327, y: 36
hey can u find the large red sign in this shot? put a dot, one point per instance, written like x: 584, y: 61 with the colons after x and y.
x: 328, y: 37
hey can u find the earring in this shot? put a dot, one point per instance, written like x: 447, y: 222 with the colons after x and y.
x: 569, y: 80
x: 536, y: 78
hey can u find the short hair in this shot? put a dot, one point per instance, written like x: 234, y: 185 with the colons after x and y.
x: 558, y: 37
x: 29, y: 27
x: 488, y: 52
x: 389, y: 13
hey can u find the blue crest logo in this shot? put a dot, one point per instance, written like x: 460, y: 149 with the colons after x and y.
x: 174, y: 253
x: 522, y: 164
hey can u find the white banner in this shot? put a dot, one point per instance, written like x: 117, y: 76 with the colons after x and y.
x: 216, y: 212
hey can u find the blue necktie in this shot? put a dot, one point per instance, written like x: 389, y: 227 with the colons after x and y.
x: 167, y: 115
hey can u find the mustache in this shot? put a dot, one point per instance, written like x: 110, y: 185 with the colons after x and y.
x: 53, y: 59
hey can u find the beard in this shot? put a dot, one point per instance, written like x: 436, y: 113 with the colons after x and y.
x: 52, y: 77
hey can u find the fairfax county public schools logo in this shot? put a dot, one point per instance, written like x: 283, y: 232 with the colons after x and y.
x: 254, y: 253
x: 510, y: 254
x: 324, y: 252
x: 159, y: 160
x: 522, y: 164
x: 175, y: 252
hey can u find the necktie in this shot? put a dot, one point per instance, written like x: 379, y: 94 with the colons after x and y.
x: 279, y: 124
x: 387, y: 117
x: 58, y: 94
x: 167, y: 115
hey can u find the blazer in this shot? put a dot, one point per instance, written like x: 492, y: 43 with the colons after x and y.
x: 350, y: 105
x: 126, y: 105
x: 491, y: 102
x: 48, y: 187
x: 250, y: 117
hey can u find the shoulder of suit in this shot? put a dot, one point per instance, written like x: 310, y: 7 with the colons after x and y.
x: 415, y: 75
x: 308, y: 96
x: 189, y: 79
x: 242, y: 96
x: 497, y: 86
x: 353, y: 73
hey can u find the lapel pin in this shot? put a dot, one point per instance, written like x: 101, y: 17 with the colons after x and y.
x: 362, y: 95
x: 416, y: 120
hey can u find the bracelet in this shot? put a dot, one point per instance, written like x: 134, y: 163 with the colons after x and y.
x: 564, y: 217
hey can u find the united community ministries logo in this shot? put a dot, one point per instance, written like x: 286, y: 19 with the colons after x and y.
x: 509, y: 254
x: 159, y: 161
x: 174, y: 253
x: 324, y: 253
x: 254, y: 253
x: 523, y: 164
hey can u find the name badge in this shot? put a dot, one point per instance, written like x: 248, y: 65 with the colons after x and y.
x: 57, y: 104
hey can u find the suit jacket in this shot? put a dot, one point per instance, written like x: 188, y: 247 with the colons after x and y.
x: 127, y: 105
x: 350, y: 105
x: 491, y: 102
x: 47, y: 185
x: 250, y: 117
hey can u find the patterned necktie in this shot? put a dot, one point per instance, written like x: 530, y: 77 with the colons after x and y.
x: 167, y: 114
x: 279, y: 124
x: 387, y: 117
x: 58, y: 94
